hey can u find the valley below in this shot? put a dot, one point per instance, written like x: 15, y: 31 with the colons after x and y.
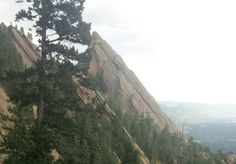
x: 211, y: 125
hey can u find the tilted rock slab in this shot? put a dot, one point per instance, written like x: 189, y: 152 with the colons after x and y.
x: 122, y: 85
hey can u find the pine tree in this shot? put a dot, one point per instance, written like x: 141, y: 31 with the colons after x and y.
x: 29, y: 36
x: 57, y: 22
x: 49, y: 84
x: 22, y: 30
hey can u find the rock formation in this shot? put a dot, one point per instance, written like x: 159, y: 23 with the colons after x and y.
x: 122, y: 85
x: 24, y: 46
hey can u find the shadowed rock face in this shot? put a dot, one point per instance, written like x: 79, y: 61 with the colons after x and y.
x: 122, y: 85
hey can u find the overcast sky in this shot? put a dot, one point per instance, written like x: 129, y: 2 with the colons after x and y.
x: 182, y: 50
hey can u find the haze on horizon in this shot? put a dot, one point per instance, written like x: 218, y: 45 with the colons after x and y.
x: 181, y: 50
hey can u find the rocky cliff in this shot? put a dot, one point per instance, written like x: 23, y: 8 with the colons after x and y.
x: 121, y: 84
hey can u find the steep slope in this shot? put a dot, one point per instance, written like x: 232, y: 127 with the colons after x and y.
x: 121, y: 85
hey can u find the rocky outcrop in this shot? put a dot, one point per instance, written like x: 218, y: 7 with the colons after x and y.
x: 122, y: 85
x: 4, y: 105
x: 230, y: 159
x: 23, y: 45
x: 25, y: 48
x: 3, y: 101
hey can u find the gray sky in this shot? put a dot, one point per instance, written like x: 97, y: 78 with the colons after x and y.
x: 182, y: 50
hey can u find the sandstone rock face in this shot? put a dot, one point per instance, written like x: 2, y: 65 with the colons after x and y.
x: 85, y: 94
x: 3, y: 101
x: 24, y: 46
x: 4, y: 105
x: 122, y: 85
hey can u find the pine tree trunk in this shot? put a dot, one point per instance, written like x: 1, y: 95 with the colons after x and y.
x: 42, y: 80
x: 42, y: 71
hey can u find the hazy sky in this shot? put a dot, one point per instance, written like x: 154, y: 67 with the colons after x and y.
x: 182, y: 50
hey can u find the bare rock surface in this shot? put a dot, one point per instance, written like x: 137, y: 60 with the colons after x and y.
x: 25, y: 48
x: 3, y: 101
x: 23, y: 45
x: 122, y: 85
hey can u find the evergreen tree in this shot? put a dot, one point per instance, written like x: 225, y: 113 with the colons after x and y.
x: 49, y: 85
x: 29, y: 36
x: 22, y: 30
x: 57, y: 22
